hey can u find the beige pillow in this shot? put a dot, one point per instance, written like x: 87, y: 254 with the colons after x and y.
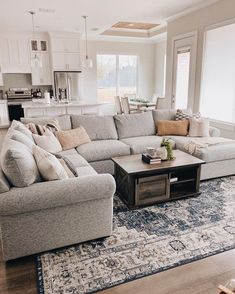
x: 199, y: 127
x: 48, y: 165
x: 48, y: 142
x: 171, y: 127
x: 73, y: 138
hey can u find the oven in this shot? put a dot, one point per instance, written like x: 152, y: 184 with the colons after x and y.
x: 15, y: 98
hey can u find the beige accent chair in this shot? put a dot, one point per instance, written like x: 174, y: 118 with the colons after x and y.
x: 118, y: 105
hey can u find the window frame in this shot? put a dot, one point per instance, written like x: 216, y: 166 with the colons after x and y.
x: 117, y: 54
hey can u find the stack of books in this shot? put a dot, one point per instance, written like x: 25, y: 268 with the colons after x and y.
x: 151, y: 159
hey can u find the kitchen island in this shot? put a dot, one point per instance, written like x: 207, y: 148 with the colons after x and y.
x: 39, y: 109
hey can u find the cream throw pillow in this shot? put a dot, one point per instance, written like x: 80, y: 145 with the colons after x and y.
x: 48, y: 142
x: 199, y: 127
x: 73, y: 138
x: 48, y: 165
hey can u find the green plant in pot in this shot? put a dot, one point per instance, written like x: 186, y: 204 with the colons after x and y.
x: 168, y: 145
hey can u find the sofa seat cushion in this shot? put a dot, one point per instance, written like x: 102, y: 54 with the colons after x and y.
x: 104, y: 149
x: 134, y: 125
x: 224, y: 151
x: 139, y: 144
x: 98, y: 127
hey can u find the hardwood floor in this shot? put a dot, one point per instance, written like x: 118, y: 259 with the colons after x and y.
x: 203, y: 276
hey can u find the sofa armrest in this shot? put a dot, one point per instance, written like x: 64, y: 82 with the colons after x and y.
x: 46, y: 195
x: 214, y: 132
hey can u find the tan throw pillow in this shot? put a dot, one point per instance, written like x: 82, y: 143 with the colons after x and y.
x: 48, y: 142
x: 48, y: 165
x: 73, y: 138
x: 199, y: 127
x: 171, y: 127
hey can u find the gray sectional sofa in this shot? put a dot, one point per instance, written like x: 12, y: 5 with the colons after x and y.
x: 48, y: 215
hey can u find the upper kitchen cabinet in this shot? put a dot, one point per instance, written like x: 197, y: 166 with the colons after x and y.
x: 15, y: 54
x: 41, y: 76
x: 65, y: 51
x: 71, y: 45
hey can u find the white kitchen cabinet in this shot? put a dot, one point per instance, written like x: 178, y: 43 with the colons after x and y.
x: 42, y: 75
x: 71, y: 45
x: 4, y: 116
x: 66, y: 61
x: 15, y: 55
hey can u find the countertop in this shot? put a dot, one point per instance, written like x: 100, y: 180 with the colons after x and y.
x: 56, y: 104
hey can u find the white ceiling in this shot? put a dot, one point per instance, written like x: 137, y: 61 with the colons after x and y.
x: 102, y: 14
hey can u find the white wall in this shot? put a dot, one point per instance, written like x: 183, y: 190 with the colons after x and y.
x: 198, y: 20
x: 160, y: 55
x: 146, y: 65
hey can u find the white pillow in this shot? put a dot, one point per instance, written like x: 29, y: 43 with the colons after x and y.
x: 48, y: 165
x: 199, y: 127
x: 48, y: 142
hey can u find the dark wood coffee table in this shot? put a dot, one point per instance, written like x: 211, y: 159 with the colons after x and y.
x: 139, y: 183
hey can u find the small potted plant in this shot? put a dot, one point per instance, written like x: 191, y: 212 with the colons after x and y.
x: 168, y: 145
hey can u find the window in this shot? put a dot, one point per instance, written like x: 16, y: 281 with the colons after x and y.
x: 182, y: 78
x: 116, y: 75
x: 218, y: 76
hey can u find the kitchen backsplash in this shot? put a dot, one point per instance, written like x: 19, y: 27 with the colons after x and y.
x: 18, y: 80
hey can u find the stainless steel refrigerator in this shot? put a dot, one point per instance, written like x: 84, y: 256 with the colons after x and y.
x: 67, y: 85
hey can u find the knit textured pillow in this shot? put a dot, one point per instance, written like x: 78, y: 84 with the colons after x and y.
x: 181, y: 114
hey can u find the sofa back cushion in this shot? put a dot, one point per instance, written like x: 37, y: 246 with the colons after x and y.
x: 4, y: 185
x: 97, y: 127
x: 63, y: 120
x: 163, y: 114
x: 18, y: 164
x: 135, y: 125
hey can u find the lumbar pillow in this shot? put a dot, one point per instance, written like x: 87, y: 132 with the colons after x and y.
x: 18, y: 164
x: 20, y: 137
x: 186, y: 114
x: 48, y: 142
x: 4, y: 185
x: 171, y: 127
x: 49, y: 166
x: 199, y: 127
x: 38, y: 129
x: 17, y: 125
x: 73, y: 138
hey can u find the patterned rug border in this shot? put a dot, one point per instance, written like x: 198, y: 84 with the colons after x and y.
x: 40, y: 283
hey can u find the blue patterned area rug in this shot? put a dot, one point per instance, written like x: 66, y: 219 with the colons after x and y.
x: 145, y: 241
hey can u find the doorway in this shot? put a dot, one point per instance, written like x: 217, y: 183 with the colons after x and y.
x: 184, y: 69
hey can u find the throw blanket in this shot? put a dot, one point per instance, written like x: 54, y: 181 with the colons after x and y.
x: 195, y: 145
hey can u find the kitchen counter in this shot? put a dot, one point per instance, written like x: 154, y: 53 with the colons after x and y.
x: 37, y: 109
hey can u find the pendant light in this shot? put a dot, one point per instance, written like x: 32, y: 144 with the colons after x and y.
x: 35, y: 60
x: 87, y: 62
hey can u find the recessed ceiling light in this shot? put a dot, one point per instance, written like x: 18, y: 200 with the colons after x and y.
x: 47, y: 10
